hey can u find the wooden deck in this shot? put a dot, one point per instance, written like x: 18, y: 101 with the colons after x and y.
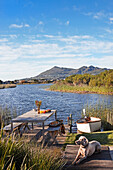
x: 35, y: 135
x: 100, y: 161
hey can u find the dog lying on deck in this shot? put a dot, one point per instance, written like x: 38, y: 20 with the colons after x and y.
x: 86, y: 149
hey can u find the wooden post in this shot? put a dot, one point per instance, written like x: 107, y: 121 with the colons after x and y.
x: 110, y: 118
x: 55, y: 115
x: 32, y: 125
x: 12, y: 130
x: 43, y: 140
x: 11, y: 127
x: 70, y: 123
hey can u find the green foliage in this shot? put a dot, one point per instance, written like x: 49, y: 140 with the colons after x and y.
x: 103, y: 79
x: 86, y: 83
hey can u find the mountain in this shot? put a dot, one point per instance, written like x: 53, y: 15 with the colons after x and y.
x: 57, y: 73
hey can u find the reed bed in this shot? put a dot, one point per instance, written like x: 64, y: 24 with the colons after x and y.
x: 6, y: 115
x: 3, y: 86
x: 101, y: 111
x: 81, y: 89
x: 18, y: 156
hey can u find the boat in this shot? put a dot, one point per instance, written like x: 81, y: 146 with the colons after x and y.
x: 88, y: 125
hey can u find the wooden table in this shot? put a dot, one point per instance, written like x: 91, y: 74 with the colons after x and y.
x: 32, y: 116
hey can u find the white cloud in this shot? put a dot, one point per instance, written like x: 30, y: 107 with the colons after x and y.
x: 13, y: 36
x: 67, y: 22
x: 37, y: 41
x: 111, y: 20
x: 43, y: 52
x: 109, y: 30
x: 19, y: 26
x: 15, y: 26
x: 26, y: 25
x: 103, y: 62
x: 99, y: 15
x: 4, y: 40
x: 49, y: 36
x: 40, y: 23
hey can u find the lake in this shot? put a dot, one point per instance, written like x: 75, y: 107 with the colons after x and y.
x: 23, y: 99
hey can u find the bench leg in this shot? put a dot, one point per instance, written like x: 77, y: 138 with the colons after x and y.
x: 26, y: 126
x: 53, y: 135
x: 43, y: 140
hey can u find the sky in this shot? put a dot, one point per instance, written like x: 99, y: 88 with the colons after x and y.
x: 36, y: 35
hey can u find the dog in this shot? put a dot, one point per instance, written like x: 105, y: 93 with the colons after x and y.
x: 86, y: 149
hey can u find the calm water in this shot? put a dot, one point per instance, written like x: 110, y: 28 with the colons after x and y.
x: 23, y: 99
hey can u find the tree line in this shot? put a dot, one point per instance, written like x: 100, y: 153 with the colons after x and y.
x: 103, y: 79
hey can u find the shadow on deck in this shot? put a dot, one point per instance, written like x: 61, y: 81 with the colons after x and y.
x: 96, y: 161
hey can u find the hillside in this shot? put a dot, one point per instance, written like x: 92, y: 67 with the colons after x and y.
x: 57, y: 73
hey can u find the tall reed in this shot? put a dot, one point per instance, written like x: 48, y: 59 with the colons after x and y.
x: 100, y: 110
x: 6, y: 114
x: 18, y: 156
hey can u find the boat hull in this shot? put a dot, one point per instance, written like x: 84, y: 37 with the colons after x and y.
x: 89, y: 126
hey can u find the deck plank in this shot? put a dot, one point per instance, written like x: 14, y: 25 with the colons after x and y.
x: 100, y: 161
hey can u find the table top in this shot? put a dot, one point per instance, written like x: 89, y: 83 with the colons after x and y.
x: 33, y: 116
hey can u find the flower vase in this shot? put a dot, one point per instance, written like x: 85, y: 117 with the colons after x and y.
x: 38, y: 109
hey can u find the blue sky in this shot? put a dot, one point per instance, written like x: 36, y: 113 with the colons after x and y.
x: 36, y: 35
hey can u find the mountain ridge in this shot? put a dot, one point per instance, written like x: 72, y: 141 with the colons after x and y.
x: 57, y: 73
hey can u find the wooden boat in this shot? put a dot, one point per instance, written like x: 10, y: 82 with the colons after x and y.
x: 88, y: 125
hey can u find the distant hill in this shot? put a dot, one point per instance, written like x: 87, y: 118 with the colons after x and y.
x: 57, y: 73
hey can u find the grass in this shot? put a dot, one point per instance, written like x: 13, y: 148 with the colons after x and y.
x: 19, y: 156
x: 81, y: 89
x: 105, y: 137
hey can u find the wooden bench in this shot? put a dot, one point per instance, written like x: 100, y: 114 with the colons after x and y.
x: 17, y: 128
x: 52, y: 134
x: 54, y: 131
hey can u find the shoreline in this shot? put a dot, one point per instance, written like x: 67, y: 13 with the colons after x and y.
x: 5, y: 86
x: 80, y: 92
